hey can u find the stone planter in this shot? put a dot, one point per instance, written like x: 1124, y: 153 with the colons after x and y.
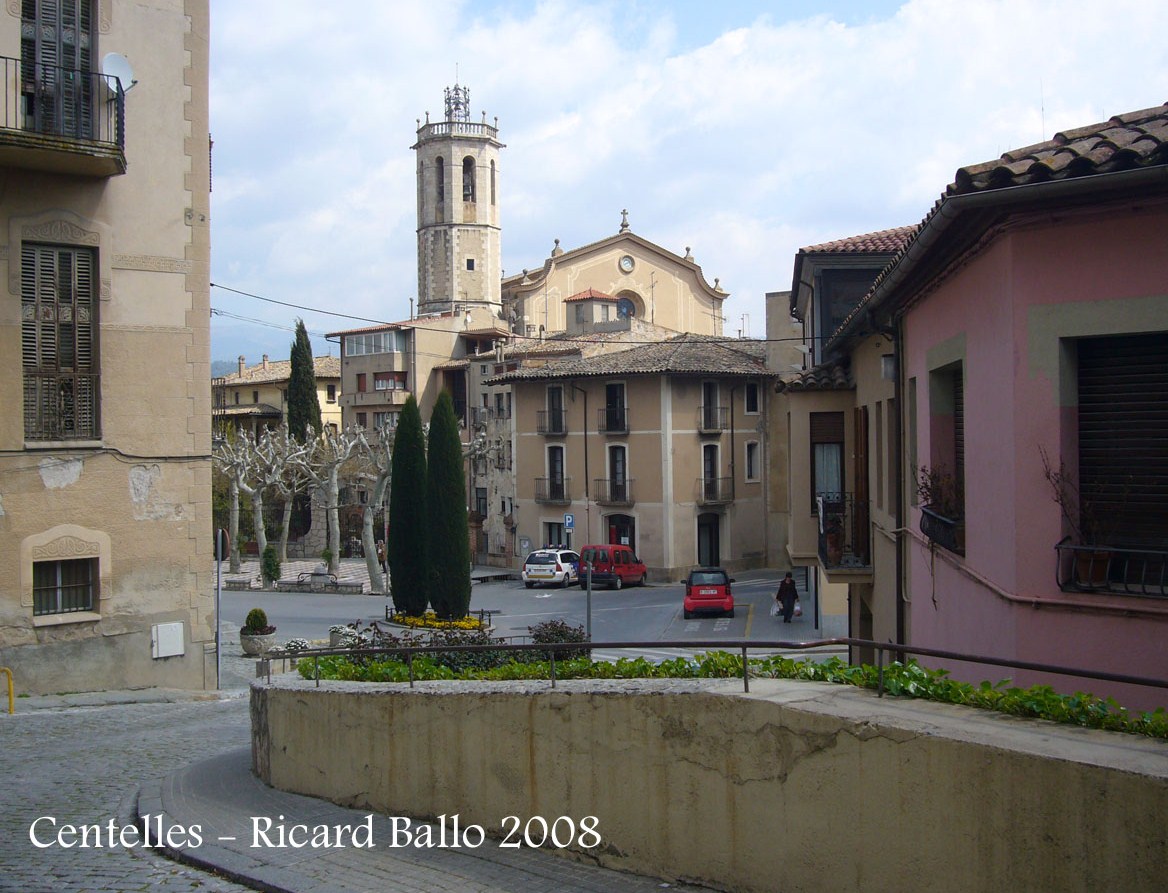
x: 257, y: 644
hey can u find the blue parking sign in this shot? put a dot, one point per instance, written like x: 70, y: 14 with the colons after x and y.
x: 569, y: 521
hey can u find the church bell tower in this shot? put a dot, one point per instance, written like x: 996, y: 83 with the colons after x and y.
x: 459, y: 258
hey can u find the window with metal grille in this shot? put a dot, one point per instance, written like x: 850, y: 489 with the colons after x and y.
x: 64, y: 587
x: 59, y: 343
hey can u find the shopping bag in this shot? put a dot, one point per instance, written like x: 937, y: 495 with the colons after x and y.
x: 798, y: 609
x: 775, y: 609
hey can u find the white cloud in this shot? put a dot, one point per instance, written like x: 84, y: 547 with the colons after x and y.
x: 722, y: 127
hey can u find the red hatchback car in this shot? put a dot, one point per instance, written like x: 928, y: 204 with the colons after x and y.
x: 708, y: 589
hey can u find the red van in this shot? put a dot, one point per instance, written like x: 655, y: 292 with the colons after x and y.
x: 613, y: 565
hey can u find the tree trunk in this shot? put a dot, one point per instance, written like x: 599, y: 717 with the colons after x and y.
x: 333, y: 494
x: 257, y: 509
x: 368, y: 538
x: 233, y: 526
x: 285, y: 524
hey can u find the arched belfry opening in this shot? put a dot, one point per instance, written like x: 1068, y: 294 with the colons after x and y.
x: 459, y: 256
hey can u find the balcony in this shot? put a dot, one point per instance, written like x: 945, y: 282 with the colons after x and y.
x: 844, y: 539
x: 612, y: 420
x: 712, y: 419
x: 948, y: 533
x: 552, y: 490
x: 612, y: 491
x: 375, y: 399
x: 61, y: 406
x: 62, y: 120
x: 1113, y: 571
x: 715, y: 491
x: 552, y: 422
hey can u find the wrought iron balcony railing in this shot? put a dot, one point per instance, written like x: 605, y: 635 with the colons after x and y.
x: 713, y: 419
x: 61, y: 406
x: 553, y: 422
x: 715, y: 491
x: 553, y: 490
x: 612, y: 420
x: 844, y: 539
x: 613, y: 491
x: 55, y: 118
x: 1112, y: 570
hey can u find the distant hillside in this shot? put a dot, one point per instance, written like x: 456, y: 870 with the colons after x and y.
x: 223, y: 367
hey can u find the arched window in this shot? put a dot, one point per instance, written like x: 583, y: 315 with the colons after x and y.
x: 492, y: 182
x: 441, y: 177
x: 468, y: 179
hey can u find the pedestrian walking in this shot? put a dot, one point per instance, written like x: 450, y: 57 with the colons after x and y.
x: 787, y: 596
x: 381, y: 554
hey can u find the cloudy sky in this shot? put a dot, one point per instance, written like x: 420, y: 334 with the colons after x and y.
x: 744, y: 130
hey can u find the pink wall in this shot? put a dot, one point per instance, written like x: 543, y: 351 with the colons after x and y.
x: 1010, y: 304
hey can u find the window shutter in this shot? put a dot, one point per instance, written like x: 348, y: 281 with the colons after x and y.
x: 827, y: 427
x: 1123, y: 434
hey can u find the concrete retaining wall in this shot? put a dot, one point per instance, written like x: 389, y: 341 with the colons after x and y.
x: 796, y: 786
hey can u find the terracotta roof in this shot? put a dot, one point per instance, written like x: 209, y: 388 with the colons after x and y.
x: 682, y: 354
x: 825, y: 377
x: 1137, y: 139
x: 589, y: 294
x: 279, y: 370
x: 885, y: 241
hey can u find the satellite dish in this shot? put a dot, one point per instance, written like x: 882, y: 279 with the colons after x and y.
x: 115, y: 65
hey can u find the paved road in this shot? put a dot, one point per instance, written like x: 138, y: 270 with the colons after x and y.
x: 82, y: 766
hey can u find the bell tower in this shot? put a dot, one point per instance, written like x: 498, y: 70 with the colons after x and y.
x: 459, y: 257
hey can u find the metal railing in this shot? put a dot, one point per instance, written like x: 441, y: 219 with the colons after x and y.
x: 1111, y: 570
x: 712, y: 419
x: 65, y: 103
x: 612, y: 420
x: 553, y: 490
x: 61, y: 406
x: 551, y: 421
x: 881, y: 648
x: 715, y: 491
x: 613, y: 491
x: 844, y: 538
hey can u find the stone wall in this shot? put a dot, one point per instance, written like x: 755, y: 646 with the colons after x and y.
x: 794, y: 786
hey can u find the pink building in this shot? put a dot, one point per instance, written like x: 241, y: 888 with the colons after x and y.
x: 1031, y: 314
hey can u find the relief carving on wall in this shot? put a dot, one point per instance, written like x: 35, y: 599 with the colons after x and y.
x: 105, y: 13
x: 66, y: 547
x: 60, y: 231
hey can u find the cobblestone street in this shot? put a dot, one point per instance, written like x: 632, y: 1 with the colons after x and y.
x: 83, y: 765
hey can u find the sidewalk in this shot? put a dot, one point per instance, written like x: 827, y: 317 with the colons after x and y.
x: 228, y: 803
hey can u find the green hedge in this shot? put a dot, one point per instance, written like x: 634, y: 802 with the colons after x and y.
x: 900, y: 679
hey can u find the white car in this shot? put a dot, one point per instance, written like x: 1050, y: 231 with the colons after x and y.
x: 560, y: 567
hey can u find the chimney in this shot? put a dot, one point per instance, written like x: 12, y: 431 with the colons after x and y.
x: 241, y: 364
x: 265, y: 362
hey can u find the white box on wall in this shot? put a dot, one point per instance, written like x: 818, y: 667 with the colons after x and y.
x: 167, y: 639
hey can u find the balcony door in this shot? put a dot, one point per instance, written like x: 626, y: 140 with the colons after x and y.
x: 57, y: 47
x: 618, y: 474
x: 555, y: 410
x: 555, y: 460
x: 614, y: 407
x: 710, y: 471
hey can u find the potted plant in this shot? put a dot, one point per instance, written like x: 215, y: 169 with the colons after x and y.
x: 1084, y: 514
x: 942, y: 497
x: 256, y: 636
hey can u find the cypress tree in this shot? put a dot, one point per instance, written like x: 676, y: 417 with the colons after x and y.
x: 446, y: 503
x: 406, y: 550
x: 303, y: 402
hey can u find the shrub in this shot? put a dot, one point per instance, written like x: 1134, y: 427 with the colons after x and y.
x: 256, y: 623
x: 270, y: 565
x: 556, y: 631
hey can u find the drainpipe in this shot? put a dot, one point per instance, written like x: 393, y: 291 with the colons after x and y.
x: 587, y: 502
x: 901, y: 541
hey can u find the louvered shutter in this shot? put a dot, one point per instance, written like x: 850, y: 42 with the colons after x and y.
x: 1123, y: 436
